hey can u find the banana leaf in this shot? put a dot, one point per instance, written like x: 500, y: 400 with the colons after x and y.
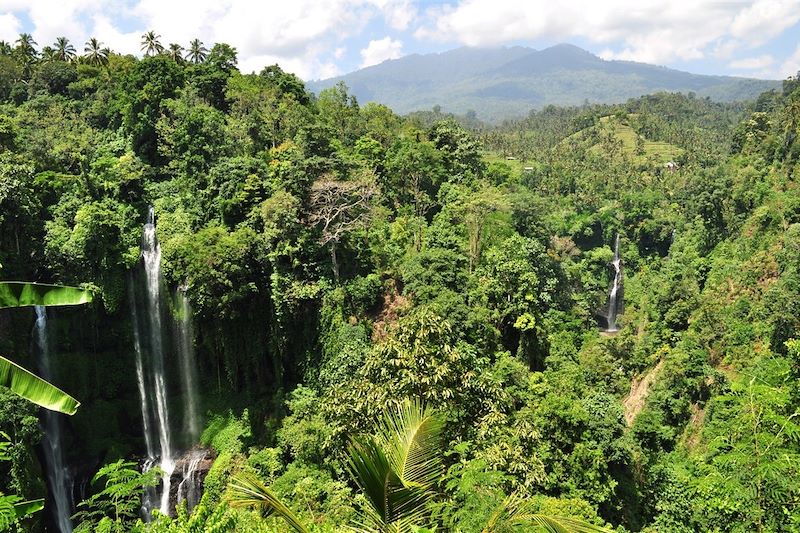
x: 35, y: 389
x: 23, y: 293
x: 29, y: 507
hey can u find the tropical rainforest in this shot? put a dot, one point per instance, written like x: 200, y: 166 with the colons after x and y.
x: 363, y: 321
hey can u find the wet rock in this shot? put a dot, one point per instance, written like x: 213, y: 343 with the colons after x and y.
x: 188, y: 478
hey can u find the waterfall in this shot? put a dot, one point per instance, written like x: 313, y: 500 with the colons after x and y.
x: 190, y: 486
x: 185, y: 343
x: 58, y: 477
x: 613, y: 304
x: 150, y: 369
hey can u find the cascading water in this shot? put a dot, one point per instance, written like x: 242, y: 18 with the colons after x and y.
x: 185, y: 342
x: 613, y: 303
x: 150, y: 368
x: 190, y: 486
x: 58, y: 476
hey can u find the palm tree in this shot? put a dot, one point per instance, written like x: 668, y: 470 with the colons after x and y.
x: 150, y: 43
x: 94, y: 53
x: 26, y: 45
x: 13, y: 376
x: 48, y: 54
x: 398, y: 470
x: 197, y: 52
x: 175, y: 51
x: 26, y: 52
x: 5, y: 48
x: 64, y: 50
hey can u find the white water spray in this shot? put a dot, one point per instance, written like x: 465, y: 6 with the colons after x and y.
x: 613, y: 295
x: 58, y: 477
x: 185, y: 344
x: 150, y: 369
x: 189, y: 488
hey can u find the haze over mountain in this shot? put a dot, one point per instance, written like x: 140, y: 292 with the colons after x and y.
x: 508, y: 82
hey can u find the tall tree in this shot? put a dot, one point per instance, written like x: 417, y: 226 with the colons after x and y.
x: 151, y: 44
x: 197, y: 52
x: 175, y: 52
x: 64, y: 51
x: 26, y: 46
x: 26, y: 53
x: 340, y: 207
x: 94, y: 53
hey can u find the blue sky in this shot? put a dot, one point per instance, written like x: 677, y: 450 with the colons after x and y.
x: 318, y: 39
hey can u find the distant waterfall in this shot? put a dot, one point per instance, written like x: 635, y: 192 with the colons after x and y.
x: 150, y: 369
x: 613, y: 299
x: 58, y: 477
x: 185, y: 344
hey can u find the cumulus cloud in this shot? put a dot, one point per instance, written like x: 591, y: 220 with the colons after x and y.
x: 301, y: 35
x: 380, y: 50
x: 791, y: 66
x: 658, y: 31
x: 9, y: 27
x: 399, y: 14
x: 753, y: 63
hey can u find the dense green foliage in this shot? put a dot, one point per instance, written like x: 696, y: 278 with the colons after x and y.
x: 342, y: 260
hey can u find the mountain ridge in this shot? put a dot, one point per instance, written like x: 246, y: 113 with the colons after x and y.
x: 501, y: 83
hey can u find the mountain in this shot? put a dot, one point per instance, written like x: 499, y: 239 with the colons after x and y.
x: 508, y: 82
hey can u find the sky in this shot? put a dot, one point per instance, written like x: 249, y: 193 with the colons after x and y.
x: 319, y: 39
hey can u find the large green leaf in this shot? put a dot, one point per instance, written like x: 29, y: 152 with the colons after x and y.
x: 246, y: 490
x: 23, y: 293
x: 398, y: 468
x: 517, y: 514
x: 35, y: 389
x: 29, y: 507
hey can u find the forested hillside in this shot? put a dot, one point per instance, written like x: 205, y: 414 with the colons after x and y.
x: 503, y: 83
x: 394, y: 323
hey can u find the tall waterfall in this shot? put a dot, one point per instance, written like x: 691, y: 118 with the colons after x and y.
x: 58, y: 477
x: 150, y: 369
x: 185, y: 343
x: 613, y: 303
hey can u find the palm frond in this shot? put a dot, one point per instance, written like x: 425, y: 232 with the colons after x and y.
x: 23, y: 293
x: 516, y: 513
x: 246, y: 490
x: 398, y: 467
x: 35, y: 389
x: 410, y: 435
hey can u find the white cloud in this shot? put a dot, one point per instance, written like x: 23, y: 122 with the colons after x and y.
x: 753, y: 63
x: 103, y: 30
x: 656, y: 31
x: 9, y: 27
x: 380, y: 50
x: 302, y: 35
x: 765, y: 19
x: 791, y: 66
x: 399, y: 14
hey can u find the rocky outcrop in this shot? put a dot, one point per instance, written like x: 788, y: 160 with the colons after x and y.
x: 188, y: 478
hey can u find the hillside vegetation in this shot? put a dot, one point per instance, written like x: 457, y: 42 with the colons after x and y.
x: 397, y: 327
x: 498, y: 84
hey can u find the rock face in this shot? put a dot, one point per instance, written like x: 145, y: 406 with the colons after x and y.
x: 188, y: 478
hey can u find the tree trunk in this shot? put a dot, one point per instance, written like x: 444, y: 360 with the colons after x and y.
x: 334, y: 263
